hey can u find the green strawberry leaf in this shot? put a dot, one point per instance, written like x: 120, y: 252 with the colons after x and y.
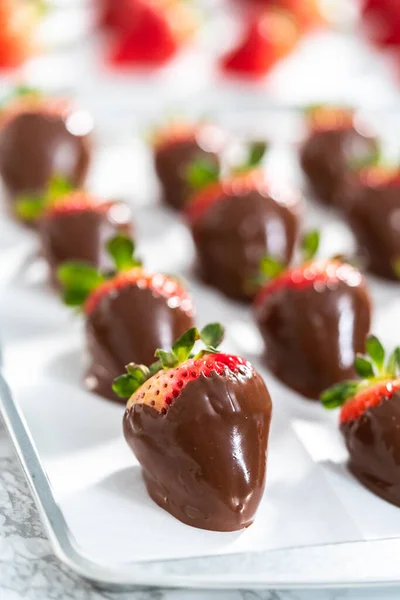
x: 125, y: 385
x: 168, y: 359
x: 25, y: 90
x: 212, y: 335
x: 78, y: 280
x: 393, y: 363
x: 310, y: 244
x: 184, y: 345
x: 201, y: 173
x: 338, y: 394
x: 363, y: 367
x: 371, y: 158
x: 257, y: 151
x: 29, y: 208
x: 58, y: 186
x: 270, y: 268
x: 375, y: 351
x: 121, y: 248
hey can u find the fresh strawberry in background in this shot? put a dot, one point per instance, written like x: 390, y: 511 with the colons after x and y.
x: 175, y: 146
x: 370, y: 419
x: 237, y: 219
x: 190, y: 415
x: 18, y: 20
x: 382, y: 18
x: 129, y: 312
x: 300, y: 312
x: 154, y: 32
x: 268, y: 37
x: 76, y: 226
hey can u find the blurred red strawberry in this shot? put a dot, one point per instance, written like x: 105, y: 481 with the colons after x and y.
x: 269, y: 37
x: 154, y: 32
x: 17, y: 22
x: 382, y: 18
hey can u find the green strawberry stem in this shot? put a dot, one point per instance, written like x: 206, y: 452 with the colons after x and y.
x: 79, y: 279
x: 255, y: 154
x: 201, y: 173
x: 310, y: 244
x: 371, y: 368
x: 30, y: 207
x: 211, y: 336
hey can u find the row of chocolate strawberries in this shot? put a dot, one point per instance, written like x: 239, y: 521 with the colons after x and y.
x: 130, y: 313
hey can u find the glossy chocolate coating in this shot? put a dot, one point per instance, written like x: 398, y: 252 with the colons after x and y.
x: 128, y: 326
x: 35, y: 146
x: 82, y: 236
x: 236, y: 232
x: 325, y: 158
x: 204, y: 461
x: 171, y: 163
x: 374, y: 215
x: 311, y: 336
x: 373, y: 443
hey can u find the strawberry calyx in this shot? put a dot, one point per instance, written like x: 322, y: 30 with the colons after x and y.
x: 30, y: 207
x: 379, y: 380
x: 80, y: 280
x: 204, y: 177
x: 181, y: 352
x: 272, y: 271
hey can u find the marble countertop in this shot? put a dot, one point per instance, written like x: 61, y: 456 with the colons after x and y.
x: 28, y: 568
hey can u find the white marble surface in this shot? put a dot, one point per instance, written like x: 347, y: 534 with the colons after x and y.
x: 28, y: 568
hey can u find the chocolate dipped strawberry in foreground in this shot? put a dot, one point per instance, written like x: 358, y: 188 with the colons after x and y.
x: 199, y: 425
x: 335, y: 140
x: 41, y: 138
x: 175, y: 147
x: 370, y: 420
x: 237, y: 220
x: 128, y: 315
x: 372, y: 205
x: 77, y: 227
x: 314, y: 319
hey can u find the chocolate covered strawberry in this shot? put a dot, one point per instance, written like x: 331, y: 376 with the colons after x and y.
x: 175, y: 147
x: 371, y: 201
x: 41, y: 138
x: 336, y: 139
x: 268, y: 37
x: 238, y: 219
x: 76, y: 226
x: 198, y: 423
x: 314, y: 318
x: 128, y: 314
x: 370, y: 419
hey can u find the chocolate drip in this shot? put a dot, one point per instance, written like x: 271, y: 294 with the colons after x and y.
x: 236, y: 232
x: 312, y: 336
x: 129, y: 325
x: 326, y: 156
x: 204, y: 461
x: 374, y: 446
x: 34, y: 147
